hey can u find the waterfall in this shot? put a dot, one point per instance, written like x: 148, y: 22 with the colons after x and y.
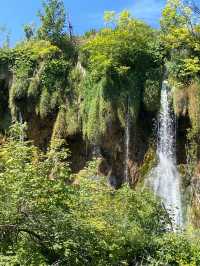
x: 96, y: 151
x: 21, y: 129
x: 127, y: 144
x: 165, y: 177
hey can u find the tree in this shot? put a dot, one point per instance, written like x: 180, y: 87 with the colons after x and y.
x: 53, y: 19
x: 47, y: 219
x: 110, y: 17
x: 118, y: 59
x: 180, y: 37
x: 29, y: 30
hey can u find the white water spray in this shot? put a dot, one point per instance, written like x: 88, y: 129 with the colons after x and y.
x: 165, y: 177
x: 21, y: 124
x: 127, y: 144
x: 96, y: 152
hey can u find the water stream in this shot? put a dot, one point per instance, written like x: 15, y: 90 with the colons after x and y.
x: 127, y: 144
x: 165, y: 177
x: 21, y: 124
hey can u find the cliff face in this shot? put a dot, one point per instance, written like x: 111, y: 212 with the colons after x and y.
x: 112, y: 145
x: 5, y: 83
x: 112, y: 149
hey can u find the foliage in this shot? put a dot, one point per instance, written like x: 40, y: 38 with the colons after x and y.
x: 67, y: 123
x: 118, y: 60
x: 96, y: 112
x: 175, y: 249
x: 192, y: 149
x: 186, y: 101
x: 68, y: 120
x: 52, y: 21
x: 148, y: 163
x: 180, y: 36
x: 117, y: 66
x: 40, y: 78
x: 152, y: 88
x: 47, y: 214
x: 29, y: 30
x: 48, y: 218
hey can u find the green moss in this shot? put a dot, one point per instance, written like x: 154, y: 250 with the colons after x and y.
x: 152, y: 89
x: 67, y: 122
x: 148, y: 164
x: 186, y: 100
x: 40, y: 81
x: 119, y: 61
x: 96, y: 111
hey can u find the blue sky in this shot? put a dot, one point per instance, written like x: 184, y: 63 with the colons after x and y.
x: 85, y: 14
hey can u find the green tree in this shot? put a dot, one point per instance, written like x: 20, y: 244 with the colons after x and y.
x: 49, y: 216
x: 118, y: 60
x: 53, y: 18
x: 29, y: 30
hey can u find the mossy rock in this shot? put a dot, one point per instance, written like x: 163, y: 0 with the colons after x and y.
x: 148, y: 164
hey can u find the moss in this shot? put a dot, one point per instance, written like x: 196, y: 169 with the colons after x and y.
x: 67, y: 122
x: 148, y: 164
x: 194, y: 104
x: 195, y: 207
x: 152, y: 89
x: 152, y: 95
x: 40, y: 81
x: 118, y: 61
x: 190, y: 178
x: 186, y: 100
x: 180, y: 100
x: 96, y: 111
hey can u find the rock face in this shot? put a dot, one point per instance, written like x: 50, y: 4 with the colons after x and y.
x: 40, y: 130
x: 5, y: 83
x: 183, y: 124
x: 112, y: 150
x: 112, y: 145
x: 4, y: 72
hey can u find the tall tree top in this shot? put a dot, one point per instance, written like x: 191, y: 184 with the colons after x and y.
x: 53, y: 21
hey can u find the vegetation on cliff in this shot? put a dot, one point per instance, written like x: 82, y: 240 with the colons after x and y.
x: 85, y: 86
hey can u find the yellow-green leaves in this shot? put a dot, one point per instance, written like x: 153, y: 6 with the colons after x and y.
x: 174, y: 14
x: 114, y: 19
x: 124, y: 18
x: 180, y: 37
x: 117, y: 47
x: 40, y: 76
x: 38, y: 49
x: 109, y: 16
x: 191, y: 66
x: 118, y: 58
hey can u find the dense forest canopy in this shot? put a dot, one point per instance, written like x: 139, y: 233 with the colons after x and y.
x: 81, y: 87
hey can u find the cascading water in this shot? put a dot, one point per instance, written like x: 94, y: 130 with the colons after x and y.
x: 21, y: 123
x: 96, y: 151
x: 165, y: 177
x: 127, y: 144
